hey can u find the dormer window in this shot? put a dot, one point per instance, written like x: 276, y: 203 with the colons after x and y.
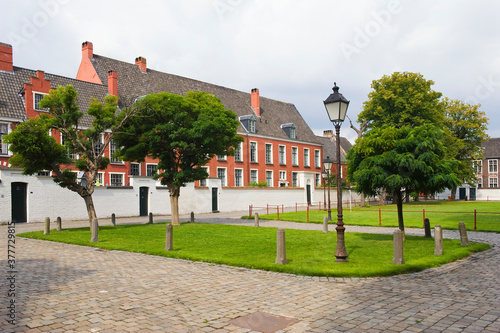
x: 37, y: 98
x: 249, y: 123
x: 289, y: 130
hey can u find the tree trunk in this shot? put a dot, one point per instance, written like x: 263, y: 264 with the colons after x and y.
x: 383, y: 196
x: 363, y: 204
x: 89, y: 202
x: 399, y: 204
x: 453, y: 195
x: 174, y: 204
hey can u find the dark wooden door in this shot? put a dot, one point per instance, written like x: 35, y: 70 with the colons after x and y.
x: 143, y: 201
x: 19, y: 200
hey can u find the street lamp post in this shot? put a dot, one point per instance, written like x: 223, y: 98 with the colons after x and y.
x: 336, y: 107
x: 327, y: 163
x: 324, y: 175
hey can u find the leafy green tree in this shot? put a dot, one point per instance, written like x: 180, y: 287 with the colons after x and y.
x: 35, y: 150
x: 183, y: 133
x: 402, y: 149
x: 467, y: 125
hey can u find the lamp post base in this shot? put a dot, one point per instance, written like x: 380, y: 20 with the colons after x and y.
x: 340, y: 252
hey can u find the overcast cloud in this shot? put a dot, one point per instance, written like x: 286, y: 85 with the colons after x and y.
x: 291, y: 50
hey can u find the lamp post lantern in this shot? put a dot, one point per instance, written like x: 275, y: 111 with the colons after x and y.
x: 327, y: 163
x: 336, y: 107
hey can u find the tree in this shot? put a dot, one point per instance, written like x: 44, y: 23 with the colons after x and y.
x: 35, y: 150
x: 183, y: 133
x: 468, y: 126
x: 402, y: 150
x: 360, y: 131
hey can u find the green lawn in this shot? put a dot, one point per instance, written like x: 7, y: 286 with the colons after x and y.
x: 445, y: 213
x: 308, y: 252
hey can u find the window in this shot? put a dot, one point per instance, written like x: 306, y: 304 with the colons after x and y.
x: 269, y: 153
x: 289, y: 130
x: 253, y: 176
x: 269, y: 177
x: 43, y: 173
x: 282, y: 175
x: 295, y: 179
x: 282, y: 157
x: 317, y: 159
x: 97, y: 147
x: 203, y: 182
x: 317, y: 179
x: 221, y: 174
x: 493, y: 182
x: 238, y: 177
x: 150, y: 170
x: 253, y: 151
x: 66, y: 143
x: 492, y: 166
x: 478, y: 167
x: 112, y: 151
x: 4, y: 130
x: 37, y: 97
x: 116, y: 179
x: 238, y: 153
x: 306, y: 157
x: 135, y: 169
x: 99, y: 178
x: 221, y: 157
x: 479, y: 182
x: 295, y: 157
x: 249, y: 123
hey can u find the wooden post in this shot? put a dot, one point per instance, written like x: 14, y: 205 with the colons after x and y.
x: 398, y: 257
x: 250, y: 210
x: 278, y: 210
x: 59, y: 223
x: 325, y: 224
x: 169, y: 238
x: 256, y: 220
x: 281, y: 247
x: 307, y: 213
x: 475, y: 225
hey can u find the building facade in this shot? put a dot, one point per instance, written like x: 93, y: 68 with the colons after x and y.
x: 279, y: 148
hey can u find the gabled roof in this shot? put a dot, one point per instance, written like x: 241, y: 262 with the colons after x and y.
x: 12, y: 86
x: 132, y: 83
x: 330, y: 148
x: 491, y: 148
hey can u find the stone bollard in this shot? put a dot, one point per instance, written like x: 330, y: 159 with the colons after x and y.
x: 192, y: 217
x: 59, y: 223
x: 95, y: 229
x: 256, y: 220
x: 463, y: 234
x: 46, y: 230
x: 150, y: 218
x: 113, y: 219
x: 325, y: 224
x: 427, y: 227
x: 169, y: 238
x: 281, y: 247
x: 438, y: 240
x: 398, y: 258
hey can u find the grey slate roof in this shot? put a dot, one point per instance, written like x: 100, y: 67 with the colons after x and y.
x: 11, y: 84
x: 330, y: 148
x: 133, y: 83
x: 491, y: 148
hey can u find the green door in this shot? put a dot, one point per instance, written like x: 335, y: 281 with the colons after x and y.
x: 215, y: 208
x: 308, y: 188
x: 143, y: 201
x: 19, y: 200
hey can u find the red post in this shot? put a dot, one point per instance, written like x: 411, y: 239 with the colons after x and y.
x: 423, y: 221
x: 475, y: 226
x: 282, y: 208
x: 267, y: 209
x: 319, y: 205
x: 250, y: 210
x: 296, y: 208
x: 278, y: 210
x: 307, y: 213
x: 379, y: 217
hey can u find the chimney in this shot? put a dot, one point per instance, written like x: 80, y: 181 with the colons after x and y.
x: 87, y: 50
x: 6, y: 63
x: 255, y: 101
x: 328, y: 134
x: 141, y: 62
x: 113, y: 82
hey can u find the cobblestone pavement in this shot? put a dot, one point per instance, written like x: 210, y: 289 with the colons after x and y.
x: 68, y: 288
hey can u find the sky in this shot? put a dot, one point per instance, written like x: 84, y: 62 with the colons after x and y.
x: 291, y: 50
